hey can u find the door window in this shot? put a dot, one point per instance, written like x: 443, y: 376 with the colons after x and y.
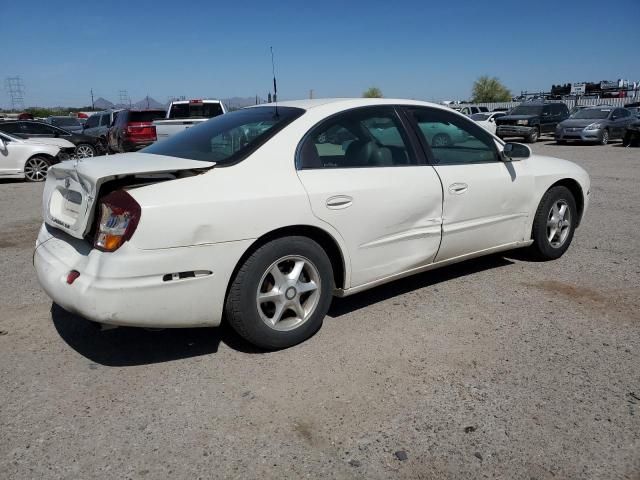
x: 92, y: 121
x: 106, y: 120
x: 365, y: 137
x: 35, y: 128
x: 453, y: 139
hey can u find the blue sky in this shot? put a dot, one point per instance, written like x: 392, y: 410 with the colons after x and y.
x: 413, y: 49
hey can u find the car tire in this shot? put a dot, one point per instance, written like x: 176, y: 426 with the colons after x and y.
x: 604, y: 138
x: 533, y: 136
x: 35, y: 169
x: 270, y: 308
x: 553, y: 228
x: 441, y: 140
x: 84, y: 150
x: 561, y: 142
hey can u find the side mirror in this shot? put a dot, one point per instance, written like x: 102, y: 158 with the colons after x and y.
x: 515, y: 151
x: 2, y: 144
x: 492, y: 120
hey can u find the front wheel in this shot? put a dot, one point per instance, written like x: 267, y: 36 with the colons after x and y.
x: 554, y: 223
x: 35, y: 169
x: 604, y: 138
x: 281, y: 294
x: 533, y: 136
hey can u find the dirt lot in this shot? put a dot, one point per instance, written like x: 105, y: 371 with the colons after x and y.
x: 496, y: 368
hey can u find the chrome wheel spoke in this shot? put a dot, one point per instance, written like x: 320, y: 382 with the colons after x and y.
x: 277, y: 314
x: 296, y: 271
x: 305, y: 287
x: 562, y: 210
x: 278, y: 276
x: 298, y: 308
x: 270, y: 296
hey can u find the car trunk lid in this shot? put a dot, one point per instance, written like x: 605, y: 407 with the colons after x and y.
x: 72, y: 187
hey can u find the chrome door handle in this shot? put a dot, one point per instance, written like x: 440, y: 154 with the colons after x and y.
x: 458, y: 188
x: 339, y: 201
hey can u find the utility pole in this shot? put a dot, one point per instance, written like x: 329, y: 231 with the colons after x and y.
x: 92, y: 104
x: 311, y: 94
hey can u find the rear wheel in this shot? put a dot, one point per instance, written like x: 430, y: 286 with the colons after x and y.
x: 554, y: 223
x: 85, y: 150
x: 533, y: 136
x: 35, y: 169
x: 281, y: 294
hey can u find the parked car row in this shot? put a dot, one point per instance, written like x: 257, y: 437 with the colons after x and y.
x: 530, y: 120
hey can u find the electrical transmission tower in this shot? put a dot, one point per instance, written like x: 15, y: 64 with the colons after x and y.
x: 124, y: 97
x: 15, y: 90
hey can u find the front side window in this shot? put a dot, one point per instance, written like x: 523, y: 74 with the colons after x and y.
x: 228, y: 138
x: 364, y: 137
x: 35, y: 128
x: 10, y: 127
x: 454, y: 140
x: 92, y: 121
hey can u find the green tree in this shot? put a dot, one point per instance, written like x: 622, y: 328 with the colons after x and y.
x: 372, y: 92
x: 489, y: 89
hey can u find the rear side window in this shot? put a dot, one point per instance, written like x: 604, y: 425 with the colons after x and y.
x: 106, y: 120
x: 229, y: 138
x: 195, y: 110
x: 146, y: 116
x: 364, y: 137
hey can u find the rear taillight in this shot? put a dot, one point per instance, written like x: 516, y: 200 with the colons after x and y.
x: 118, y: 218
x: 141, y: 130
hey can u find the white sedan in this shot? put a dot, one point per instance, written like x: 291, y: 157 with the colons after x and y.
x: 261, y: 215
x: 30, y: 158
x: 487, y: 120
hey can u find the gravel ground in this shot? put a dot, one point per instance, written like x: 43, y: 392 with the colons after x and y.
x: 495, y: 368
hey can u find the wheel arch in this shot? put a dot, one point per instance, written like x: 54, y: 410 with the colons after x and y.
x: 325, y: 239
x: 574, y: 187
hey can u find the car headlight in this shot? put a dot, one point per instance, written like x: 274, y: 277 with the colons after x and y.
x: 522, y: 122
x: 594, y: 126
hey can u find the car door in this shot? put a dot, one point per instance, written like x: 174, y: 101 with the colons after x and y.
x: 91, y: 125
x: 486, y: 200
x: 620, y: 120
x: 365, y: 177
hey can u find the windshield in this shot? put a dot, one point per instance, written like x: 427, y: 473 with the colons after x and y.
x: 65, y: 121
x: 588, y: 113
x: 478, y: 117
x: 195, y: 110
x: 527, y: 110
x: 227, y: 138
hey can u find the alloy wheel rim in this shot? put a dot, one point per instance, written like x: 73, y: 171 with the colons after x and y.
x: 84, y: 151
x: 288, y: 293
x: 36, y: 170
x: 558, y: 224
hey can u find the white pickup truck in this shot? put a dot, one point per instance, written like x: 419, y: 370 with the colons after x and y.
x: 183, y: 114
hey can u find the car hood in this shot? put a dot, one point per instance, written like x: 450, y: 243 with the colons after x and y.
x: 58, y: 142
x: 580, y: 122
x: 72, y: 187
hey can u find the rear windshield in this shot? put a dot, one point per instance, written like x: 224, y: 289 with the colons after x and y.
x: 195, y: 110
x: 228, y: 138
x: 587, y: 113
x: 65, y: 122
x: 527, y: 110
x: 146, y: 115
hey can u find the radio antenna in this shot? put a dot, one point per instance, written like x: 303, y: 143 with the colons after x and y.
x: 275, y: 86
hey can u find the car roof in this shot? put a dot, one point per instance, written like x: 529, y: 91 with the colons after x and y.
x: 196, y: 100
x: 346, y: 103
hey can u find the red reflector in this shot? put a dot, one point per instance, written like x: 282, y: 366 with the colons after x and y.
x: 72, y: 275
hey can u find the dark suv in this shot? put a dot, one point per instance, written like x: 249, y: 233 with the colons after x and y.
x: 133, y: 130
x: 531, y: 119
